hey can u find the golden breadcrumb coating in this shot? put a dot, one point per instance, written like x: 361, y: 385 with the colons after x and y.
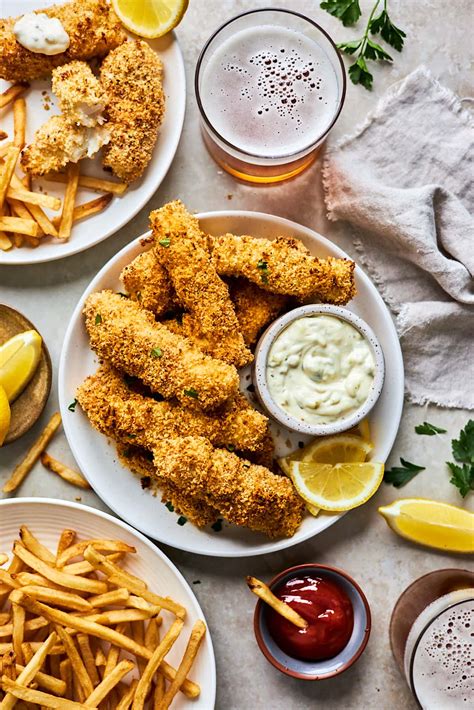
x: 281, y: 266
x: 93, y: 29
x: 131, y: 339
x: 182, y: 249
x: 81, y: 97
x: 148, y: 282
x: 243, y: 493
x: 254, y: 307
x: 132, y: 78
x: 195, y: 509
x: 59, y: 142
x: 117, y: 411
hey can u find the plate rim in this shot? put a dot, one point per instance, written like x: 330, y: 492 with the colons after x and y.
x: 6, y: 502
x: 284, y: 543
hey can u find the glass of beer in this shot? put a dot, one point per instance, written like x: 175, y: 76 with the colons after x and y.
x: 270, y: 85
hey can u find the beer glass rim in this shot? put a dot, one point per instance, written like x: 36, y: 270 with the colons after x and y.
x: 253, y: 12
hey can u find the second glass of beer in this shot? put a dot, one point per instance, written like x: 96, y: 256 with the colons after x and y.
x: 270, y: 84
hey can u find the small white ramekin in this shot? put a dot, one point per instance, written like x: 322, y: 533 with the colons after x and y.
x: 259, y: 372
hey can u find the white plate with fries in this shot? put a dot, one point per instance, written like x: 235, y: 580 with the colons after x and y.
x: 106, y: 207
x: 102, y: 646
x: 121, y: 490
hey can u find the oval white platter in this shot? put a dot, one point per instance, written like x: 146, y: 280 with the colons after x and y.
x: 121, y: 490
x: 121, y: 209
x: 46, y: 518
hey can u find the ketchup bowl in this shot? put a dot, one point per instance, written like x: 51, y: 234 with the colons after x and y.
x: 330, y: 645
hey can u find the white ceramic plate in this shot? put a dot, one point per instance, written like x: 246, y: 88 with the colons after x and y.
x: 46, y: 518
x: 121, y: 491
x: 122, y: 209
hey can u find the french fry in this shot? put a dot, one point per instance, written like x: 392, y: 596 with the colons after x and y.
x: 100, y: 659
x: 77, y: 664
x: 34, y: 198
x: 30, y: 625
x: 31, y: 669
x: 119, y: 616
x: 18, y: 631
x: 138, y: 635
x: 8, y: 665
x: 65, y: 672
x: 19, y: 121
x: 87, y: 209
x: 117, y: 188
x: 5, y: 148
x: 88, y: 658
x: 154, y: 662
x: 97, y: 544
x: 23, y: 468
x: 116, y: 596
x: 58, y: 577
x: 8, y: 579
x: 114, y: 652
x: 127, y: 697
x: 69, y: 200
x: 46, y: 681
x: 195, y: 640
x: 11, y: 93
x: 34, y: 546
x: 3, y: 558
x: 19, y: 209
x: 139, y: 603
x: 31, y: 578
x: 18, y: 225
x: 61, y: 598
x: 85, y: 567
x: 265, y: 594
x: 5, y: 617
x: 5, y: 242
x: 39, y: 697
x: 109, y: 682
x: 7, y: 170
x: 66, y: 539
x: 66, y: 473
x: 36, y: 212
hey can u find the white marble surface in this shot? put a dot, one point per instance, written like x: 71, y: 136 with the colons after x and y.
x: 439, y: 36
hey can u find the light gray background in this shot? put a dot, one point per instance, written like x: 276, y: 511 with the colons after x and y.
x: 439, y: 35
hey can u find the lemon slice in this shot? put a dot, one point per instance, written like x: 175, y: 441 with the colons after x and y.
x: 19, y: 358
x: 431, y: 523
x: 336, y: 488
x: 5, y: 415
x: 150, y: 18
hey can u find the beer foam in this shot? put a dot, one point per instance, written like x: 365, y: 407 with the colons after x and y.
x: 443, y: 665
x: 270, y: 91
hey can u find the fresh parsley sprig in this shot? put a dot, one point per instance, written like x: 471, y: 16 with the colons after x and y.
x: 428, y: 429
x: 399, y: 476
x: 463, y: 453
x: 390, y: 33
x: 348, y: 11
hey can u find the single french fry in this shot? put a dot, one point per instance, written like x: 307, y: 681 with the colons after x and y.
x: 8, y: 665
x: 3, y: 558
x: 66, y: 473
x: 11, y: 93
x: 195, y: 640
x: 87, y: 209
x: 60, y: 598
x: 8, y: 579
x: 265, y: 594
x: 114, y: 652
x: 117, y: 188
x: 119, y: 616
x: 152, y: 635
x: 135, y: 602
x: 31, y: 669
x: 154, y: 662
x: 19, y: 121
x: 39, y: 697
x: 77, y: 664
x: 66, y: 539
x: 100, y: 659
x: 6, y: 172
x: 57, y: 649
x: 25, y: 579
x: 18, y: 240
x: 189, y: 688
x: 18, y: 632
x: 77, y: 690
x: 109, y: 682
x: 85, y: 567
x: 34, y: 545
x: 34, y: 198
x: 69, y: 200
x: 127, y: 697
x: 5, y: 617
x: 30, y: 625
x: 46, y: 681
x: 86, y: 653
x: 116, y: 596
x: 98, y: 544
x: 57, y: 576
x: 65, y: 673
x: 23, y: 468
x: 5, y: 242
x: 19, y: 225
x: 138, y: 635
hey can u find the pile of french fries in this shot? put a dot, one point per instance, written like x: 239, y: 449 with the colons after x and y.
x: 22, y: 216
x: 79, y: 631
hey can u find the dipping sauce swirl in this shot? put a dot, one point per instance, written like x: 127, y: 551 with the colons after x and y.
x: 320, y: 369
x: 328, y: 611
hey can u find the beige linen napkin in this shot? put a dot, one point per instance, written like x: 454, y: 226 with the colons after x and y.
x: 404, y: 181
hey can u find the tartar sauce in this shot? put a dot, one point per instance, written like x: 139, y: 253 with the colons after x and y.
x: 320, y: 369
x: 41, y: 34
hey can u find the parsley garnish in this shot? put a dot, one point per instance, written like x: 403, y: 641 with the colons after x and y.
x: 72, y: 406
x: 170, y: 506
x: 217, y: 526
x: 263, y: 266
x: 429, y: 429
x: 463, y: 452
x: 196, y: 581
x: 126, y: 453
x: 98, y: 318
x: 182, y: 520
x: 348, y: 11
x: 399, y: 476
x: 191, y: 392
x: 156, y: 352
x: 230, y: 447
x: 165, y: 242
x: 390, y: 33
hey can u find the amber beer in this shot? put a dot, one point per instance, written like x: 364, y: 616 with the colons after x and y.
x: 270, y: 85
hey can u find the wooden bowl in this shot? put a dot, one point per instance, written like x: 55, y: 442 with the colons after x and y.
x: 27, y: 408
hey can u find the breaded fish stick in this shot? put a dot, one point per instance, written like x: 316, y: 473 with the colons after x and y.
x: 131, y: 76
x: 196, y: 510
x: 93, y: 30
x: 282, y: 266
x: 182, y: 249
x: 130, y: 338
x: 115, y: 410
x: 147, y: 281
x: 254, y: 307
x: 243, y: 493
x: 81, y: 97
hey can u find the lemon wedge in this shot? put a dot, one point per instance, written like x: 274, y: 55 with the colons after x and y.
x: 5, y: 415
x: 431, y: 523
x: 150, y: 18
x: 338, y: 487
x: 19, y: 358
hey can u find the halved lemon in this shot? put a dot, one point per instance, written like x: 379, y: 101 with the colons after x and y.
x: 150, y: 18
x: 431, y: 523
x: 338, y: 487
x: 19, y: 358
x: 5, y: 415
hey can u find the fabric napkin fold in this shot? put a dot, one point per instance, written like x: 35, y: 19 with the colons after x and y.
x: 404, y: 182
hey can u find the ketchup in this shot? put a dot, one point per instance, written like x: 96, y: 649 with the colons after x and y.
x: 326, y: 608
